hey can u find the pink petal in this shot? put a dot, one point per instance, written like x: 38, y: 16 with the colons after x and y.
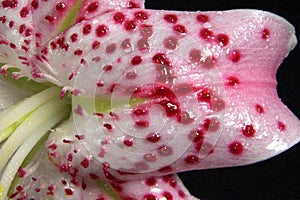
x: 17, y: 43
x: 241, y: 120
x: 222, y: 75
x: 25, y: 26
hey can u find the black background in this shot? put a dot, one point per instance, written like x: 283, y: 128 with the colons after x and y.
x: 276, y: 178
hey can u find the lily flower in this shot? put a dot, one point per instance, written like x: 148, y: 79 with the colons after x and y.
x: 120, y: 98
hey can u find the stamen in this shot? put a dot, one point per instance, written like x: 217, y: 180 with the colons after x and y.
x: 38, y: 122
x: 13, y: 116
x: 21, y: 155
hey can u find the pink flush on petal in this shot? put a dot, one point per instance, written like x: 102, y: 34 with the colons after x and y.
x: 239, y: 118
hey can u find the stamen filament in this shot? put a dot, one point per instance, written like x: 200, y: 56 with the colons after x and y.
x: 22, y: 153
x: 9, y: 130
x: 39, y: 122
x: 11, y: 118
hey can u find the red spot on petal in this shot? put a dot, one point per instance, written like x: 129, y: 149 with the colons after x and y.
x: 35, y: 4
x: 25, y: 48
x: 171, y: 18
x: 100, y: 84
x: 93, y: 176
x: 80, y: 19
x: 74, y: 37
x: 28, y: 33
x: 3, y: 19
x: 107, y: 68
x: 19, y: 188
x: 53, y: 45
x: 146, y: 31
x: 85, y: 162
x: 112, y: 87
x: 130, y: 25
x: 132, y: 4
x: 108, y: 126
x: 78, y: 52
x: 141, y: 124
x: 211, y: 125
x: 92, y: 7
x: 171, y: 43
x: 128, y: 142
x: 168, y: 195
x: 141, y: 15
x: 68, y: 191
x: 110, y: 48
x: 248, y: 130
x: 281, y: 126
x: 22, y: 28
x: 232, y: 81
x: 150, y: 157
x: 185, y: 118
x: 101, y: 30
x: 11, y: 24
x: 179, y: 29
x: 9, y: 3
x: 24, y: 12
x: 204, y: 94
x: 195, y: 56
x: 86, y: 29
x: 12, y: 45
x: 21, y: 172
x: 126, y: 44
x: 52, y: 146
x: 217, y: 104
x: 165, y: 150
x: 166, y: 169
x: 83, y: 61
x: 143, y: 44
x: 202, y: 18
x: 96, y: 45
x: 140, y: 111
x: 60, y: 6
x: 222, y: 39
x: 181, y: 193
x: 136, y: 60
x: 206, y: 34
x: 196, y: 135
x: 67, y: 141
x: 259, y: 109
x: 151, y: 181
x: 161, y: 58
x: 236, y: 148
x: 153, y: 137
x: 170, y: 180
x: 235, y: 56
x: 265, y: 34
x: 50, y: 19
x: 119, y: 17
x: 192, y: 159
x: 205, y: 148
x: 64, y: 182
x: 79, y: 137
